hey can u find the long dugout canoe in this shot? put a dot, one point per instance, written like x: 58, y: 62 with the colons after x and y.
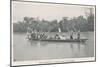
x: 61, y: 40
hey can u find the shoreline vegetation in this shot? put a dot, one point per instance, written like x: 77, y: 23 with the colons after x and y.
x: 66, y: 24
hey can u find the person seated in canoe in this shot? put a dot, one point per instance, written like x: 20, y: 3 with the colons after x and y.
x: 71, y: 35
x: 78, y: 35
x: 41, y: 35
x: 57, y: 36
x: 38, y: 34
x: 33, y: 34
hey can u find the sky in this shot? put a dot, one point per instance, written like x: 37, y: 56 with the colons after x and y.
x: 46, y: 11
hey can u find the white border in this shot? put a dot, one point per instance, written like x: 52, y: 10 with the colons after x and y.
x: 53, y: 61
x: 36, y: 62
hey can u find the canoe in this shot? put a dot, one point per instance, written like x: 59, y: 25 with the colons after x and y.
x: 67, y: 40
x: 60, y: 40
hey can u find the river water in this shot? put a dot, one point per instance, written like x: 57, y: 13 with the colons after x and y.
x: 24, y: 50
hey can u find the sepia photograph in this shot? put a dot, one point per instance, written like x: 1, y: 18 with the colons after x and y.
x: 49, y: 33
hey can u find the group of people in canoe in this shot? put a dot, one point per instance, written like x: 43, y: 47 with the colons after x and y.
x: 77, y: 34
x: 42, y: 35
x: 37, y: 35
x: 72, y: 35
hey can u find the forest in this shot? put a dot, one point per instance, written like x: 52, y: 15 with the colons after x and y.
x: 66, y: 24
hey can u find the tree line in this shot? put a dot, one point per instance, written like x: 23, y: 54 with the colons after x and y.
x: 66, y: 24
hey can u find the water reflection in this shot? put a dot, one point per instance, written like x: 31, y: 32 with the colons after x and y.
x: 37, y: 43
x: 74, y: 49
x: 39, y: 50
x: 73, y: 45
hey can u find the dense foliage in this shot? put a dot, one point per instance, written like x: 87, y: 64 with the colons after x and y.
x: 66, y: 24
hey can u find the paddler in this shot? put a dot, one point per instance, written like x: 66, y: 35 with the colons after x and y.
x: 78, y: 35
x: 57, y: 36
x: 71, y: 35
x: 35, y: 34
